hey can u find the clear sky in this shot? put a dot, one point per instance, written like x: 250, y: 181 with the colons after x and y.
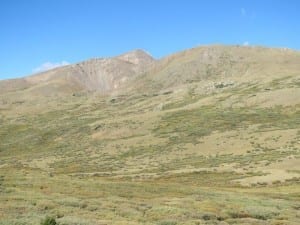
x: 41, y: 34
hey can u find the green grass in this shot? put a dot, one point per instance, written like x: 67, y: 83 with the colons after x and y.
x: 181, y: 199
x: 188, y: 126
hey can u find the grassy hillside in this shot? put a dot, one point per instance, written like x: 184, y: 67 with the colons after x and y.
x: 213, y: 150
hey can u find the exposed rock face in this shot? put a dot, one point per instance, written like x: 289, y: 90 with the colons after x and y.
x: 109, y: 74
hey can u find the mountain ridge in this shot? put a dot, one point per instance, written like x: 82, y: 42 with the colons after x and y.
x: 108, y: 74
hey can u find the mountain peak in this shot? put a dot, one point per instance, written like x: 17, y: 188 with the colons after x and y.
x: 137, y: 56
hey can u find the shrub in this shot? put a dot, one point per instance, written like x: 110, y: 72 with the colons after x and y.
x: 209, y: 217
x: 49, y: 221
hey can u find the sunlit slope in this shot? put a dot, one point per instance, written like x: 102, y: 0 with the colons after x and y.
x: 174, y: 146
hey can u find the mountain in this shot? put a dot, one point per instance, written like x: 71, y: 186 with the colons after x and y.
x: 101, y: 74
x: 209, y: 135
x: 138, y: 71
x: 222, y: 62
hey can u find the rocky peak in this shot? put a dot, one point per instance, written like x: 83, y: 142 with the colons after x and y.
x: 137, y: 57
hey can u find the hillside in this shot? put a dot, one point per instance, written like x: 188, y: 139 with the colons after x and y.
x: 100, y: 74
x: 210, y: 135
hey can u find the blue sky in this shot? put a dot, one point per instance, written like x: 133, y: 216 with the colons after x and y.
x: 41, y: 34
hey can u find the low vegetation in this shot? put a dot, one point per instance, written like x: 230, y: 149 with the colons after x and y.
x: 211, y: 151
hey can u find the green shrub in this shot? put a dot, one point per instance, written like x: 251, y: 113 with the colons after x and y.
x: 49, y: 221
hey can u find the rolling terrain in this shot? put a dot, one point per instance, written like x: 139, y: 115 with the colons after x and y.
x: 210, y: 135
